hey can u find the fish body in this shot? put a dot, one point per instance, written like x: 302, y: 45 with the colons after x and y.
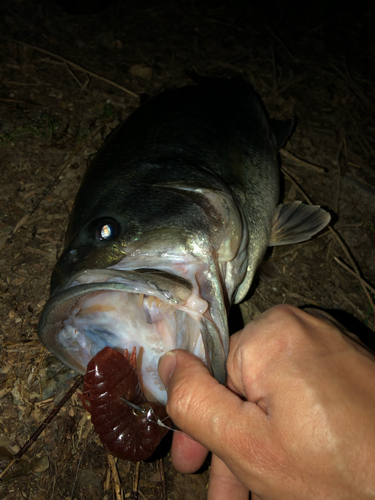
x: 172, y: 219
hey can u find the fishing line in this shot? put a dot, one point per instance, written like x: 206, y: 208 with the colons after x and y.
x: 151, y: 416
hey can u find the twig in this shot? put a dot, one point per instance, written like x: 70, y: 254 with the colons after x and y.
x: 107, y: 481
x: 48, y: 419
x: 338, y: 189
x: 292, y: 250
x: 353, y: 264
x: 194, y: 12
x: 162, y: 478
x: 274, y: 67
x: 301, y: 297
x: 301, y: 163
x: 337, y: 236
x: 11, y: 82
x: 364, y: 102
x: 54, y: 484
x: 341, y: 294
x: 37, y: 250
x: 74, y: 76
x: 112, y: 461
x: 230, y: 66
x: 136, y: 481
x: 347, y: 268
x: 76, y: 66
x: 142, y: 495
x: 27, y: 215
x: 358, y: 90
x: 281, y: 43
x: 79, y: 463
x: 329, y: 249
x: 41, y: 428
x: 293, y: 181
x: 346, y: 150
x: 11, y: 463
x: 294, y: 80
x: 29, y: 212
x: 3, y: 99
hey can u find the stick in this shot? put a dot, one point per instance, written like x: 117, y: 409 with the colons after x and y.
x: 107, y: 481
x: 162, y: 478
x: 337, y: 236
x: 136, y: 481
x: 28, y: 214
x: 282, y: 44
x: 76, y: 66
x: 338, y: 190
x: 79, y: 464
x: 116, y: 479
x: 11, y: 463
x: 302, y: 163
x: 354, y: 265
x: 41, y: 428
x: 347, y: 268
x: 48, y: 419
x: 293, y: 181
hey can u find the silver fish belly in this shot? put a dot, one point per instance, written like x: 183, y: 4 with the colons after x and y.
x: 171, y: 221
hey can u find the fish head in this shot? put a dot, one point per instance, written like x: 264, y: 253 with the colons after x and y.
x: 158, y: 289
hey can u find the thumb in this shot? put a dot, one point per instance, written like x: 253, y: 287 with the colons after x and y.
x: 206, y: 410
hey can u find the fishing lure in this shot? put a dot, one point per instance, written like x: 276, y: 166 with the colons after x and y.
x: 130, y: 426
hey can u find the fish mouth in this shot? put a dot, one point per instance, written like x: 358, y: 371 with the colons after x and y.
x: 153, y: 310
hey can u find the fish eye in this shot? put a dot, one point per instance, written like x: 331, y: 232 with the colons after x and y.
x: 107, y: 230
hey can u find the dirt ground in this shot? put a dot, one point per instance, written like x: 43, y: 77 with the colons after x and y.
x: 66, y: 80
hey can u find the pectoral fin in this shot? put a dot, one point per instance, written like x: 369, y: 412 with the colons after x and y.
x: 296, y: 222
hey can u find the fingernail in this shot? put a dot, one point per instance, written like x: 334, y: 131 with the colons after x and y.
x: 166, y: 366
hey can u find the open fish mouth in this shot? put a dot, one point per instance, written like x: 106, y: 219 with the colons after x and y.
x: 152, y: 310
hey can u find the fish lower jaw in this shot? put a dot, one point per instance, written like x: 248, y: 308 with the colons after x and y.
x: 122, y: 320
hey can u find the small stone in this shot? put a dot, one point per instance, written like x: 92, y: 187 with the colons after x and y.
x: 41, y: 464
x: 142, y: 71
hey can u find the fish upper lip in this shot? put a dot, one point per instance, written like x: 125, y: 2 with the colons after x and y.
x: 141, y: 275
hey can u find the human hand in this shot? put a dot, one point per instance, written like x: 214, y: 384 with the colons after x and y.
x: 306, y: 428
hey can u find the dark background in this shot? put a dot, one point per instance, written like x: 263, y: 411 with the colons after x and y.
x: 311, y: 61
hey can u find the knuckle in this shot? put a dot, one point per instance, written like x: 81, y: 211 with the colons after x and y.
x: 288, y: 321
x: 285, y: 311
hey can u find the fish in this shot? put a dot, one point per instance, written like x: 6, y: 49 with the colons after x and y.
x: 173, y: 217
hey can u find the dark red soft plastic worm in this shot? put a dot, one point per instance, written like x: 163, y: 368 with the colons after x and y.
x: 126, y: 433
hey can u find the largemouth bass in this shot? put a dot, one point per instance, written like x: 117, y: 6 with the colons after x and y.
x: 172, y: 219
